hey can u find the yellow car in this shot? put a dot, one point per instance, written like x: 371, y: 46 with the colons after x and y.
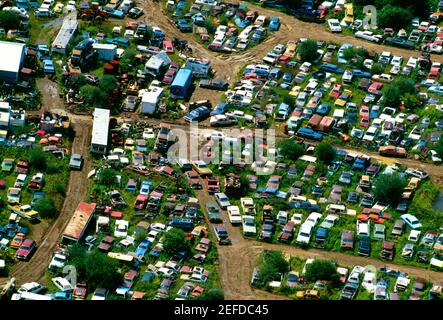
x: 59, y: 7
x: 24, y: 210
x: 295, y: 91
x: 349, y: 13
x: 290, y: 50
x: 343, y: 98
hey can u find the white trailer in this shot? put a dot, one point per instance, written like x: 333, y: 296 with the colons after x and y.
x: 150, y: 100
x: 106, y: 51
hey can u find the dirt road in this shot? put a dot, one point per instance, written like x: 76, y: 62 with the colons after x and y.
x: 76, y: 192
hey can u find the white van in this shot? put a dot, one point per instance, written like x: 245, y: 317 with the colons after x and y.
x: 62, y: 284
x: 29, y: 296
x: 336, y: 208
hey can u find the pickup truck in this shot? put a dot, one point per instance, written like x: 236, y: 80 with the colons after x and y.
x: 214, y: 84
x: 24, y: 211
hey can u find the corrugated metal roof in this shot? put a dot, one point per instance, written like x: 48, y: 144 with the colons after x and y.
x: 100, y: 128
x: 11, y: 56
x: 79, y: 220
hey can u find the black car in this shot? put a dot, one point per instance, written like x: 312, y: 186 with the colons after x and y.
x: 406, y: 142
x: 367, y: 201
x: 319, y: 75
x: 321, y: 236
x: 214, y: 84
x: 364, y: 247
x: 402, y: 206
x: 135, y: 12
x: 353, y: 197
x: 268, y: 229
x: 400, y: 42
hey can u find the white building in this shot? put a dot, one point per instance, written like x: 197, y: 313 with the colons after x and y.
x: 150, y: 100
x: 100, y: 131
x: 17, y: 118
x: 12, y: 55
x: 66, y: 34
x: 106, y: 51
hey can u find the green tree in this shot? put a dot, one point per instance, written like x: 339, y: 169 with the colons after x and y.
x: 438, y: 147
x: 95, y: 268
x: 9, y: 20
x: 325, y: 152
x: 175, y: 242
x: 322, y: 270
x: 107, y: 84
x: 388, y: 188
x: 46, y: 208
x: 93, y: 96
x: 128, y: 59
x: 276, y: 259
x: 290, y: 149
x: 38, y: 160
x: 212, y: 294
x: 308, y: 50
x: 391, y: 97
x: 107, y: 177
x: 377, y: 68
x: 394, y: 17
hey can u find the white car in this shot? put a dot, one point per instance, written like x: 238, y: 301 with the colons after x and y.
x: 248, y: 224
x: 434, y: 156
x: 158, y: 227
x: 234, y: 214
x: 71, y: 6
x: 370, y: 133
x: 58, y: 261
x: 363, y: 228
x: 414, y: 236
x: 222, y: 200
x: 62, y: 283
x: 397, y: 61
x: 368, y: 63
x: 417, y: 173
x: 32, y: 287
x: 248, y: 206
x: 313, y: 218
x: 412, y: 62
x: 368, y: 35
x: 297, y: 218
x: 334, y: 25
x: 304, y: 234
x: 121, y: 228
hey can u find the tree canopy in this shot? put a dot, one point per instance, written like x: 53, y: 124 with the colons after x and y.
x: 38, y: 160
x: 46, y: 207
x: 393, y: 17
x: 388, y: 188
x: 322, y: 270
x: 272, y: 265
x: 107, y: 177
x: 175, y: 242
x: 308, y: 50
x: 9, y: 20
x: 325, y: 152
x: 290, y: 149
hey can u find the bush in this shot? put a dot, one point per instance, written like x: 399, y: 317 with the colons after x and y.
x: 438, y: 147
x: 377, y: 68
x: 107, y: 177
x: 60, y: 188
x: 393, y: 17
x: 388, y: 188
x: 325, y: 152
x: 308, y: 51
x: 273, y: 264
x: 322, y: 270
x: 46, y: 208
x: 290, y: 149
x: 9, y: 20
x: 175, y: 242
x: 37, y: 158
x: 54, y: 167
x: 212, y: 294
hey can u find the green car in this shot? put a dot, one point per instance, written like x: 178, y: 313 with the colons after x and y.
x: 379, y: 232
x: 213, y: 210
x: 7, y: 164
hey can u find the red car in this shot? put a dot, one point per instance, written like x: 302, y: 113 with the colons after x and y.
x: 174, y: 66
x: 364, y: 111
x: 17, y: 241
x: 297, y: 112
x: 141, y: 201
x: 169, y: 76
x: 26, y: 249
x: 167, y: 46
x: 376, y: 86
x: 212, y: 184
x: 335, y: 92
x: 364, y: 121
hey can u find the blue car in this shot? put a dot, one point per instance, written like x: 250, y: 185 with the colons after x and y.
x: 48, y: 66
x: 361, y: 74
x: 309, y: 133
x: 117, y: 14
x: 274, y: 24
x: 323, y: 109
x: 220, y: 108
x: 62, y: 296
x: 329, y: 67
x: 359, y: 164
x: 197, y: 114
x: 142, y: 248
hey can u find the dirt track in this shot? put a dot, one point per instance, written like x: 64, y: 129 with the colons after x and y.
x: 76, y: 192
